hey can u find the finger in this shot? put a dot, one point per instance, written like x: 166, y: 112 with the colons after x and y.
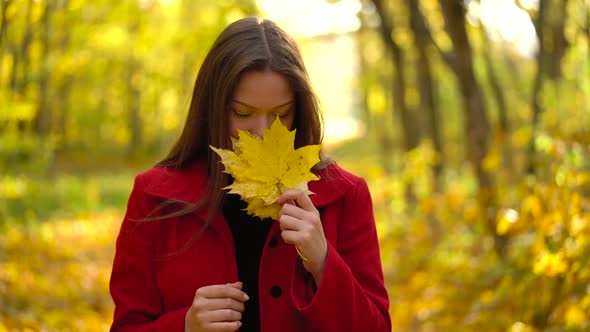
x: 288, y: 222
x: 292, y: 237
x: 225, y: 303
x: 224, y: 326
x: 300, y: 198
x: 221, y: 315
x: 298, y: 212
x: 221, y: 291
x: 237, y: 284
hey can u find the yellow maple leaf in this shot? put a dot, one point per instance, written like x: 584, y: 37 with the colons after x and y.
x: 263, y: 168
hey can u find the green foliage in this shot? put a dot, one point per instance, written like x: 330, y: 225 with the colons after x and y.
x: 114, y: 72
x: 25, y: 153
x: 29, y: 200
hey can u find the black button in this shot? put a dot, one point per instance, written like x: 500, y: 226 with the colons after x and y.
x: 273, y: 242
x: 276, y: 291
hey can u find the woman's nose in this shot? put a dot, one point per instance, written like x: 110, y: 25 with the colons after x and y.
x: 260, y: 123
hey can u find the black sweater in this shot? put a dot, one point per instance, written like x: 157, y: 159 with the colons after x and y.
x: 249, y: 235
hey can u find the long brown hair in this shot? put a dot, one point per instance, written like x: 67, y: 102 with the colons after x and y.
x: 248, y: 44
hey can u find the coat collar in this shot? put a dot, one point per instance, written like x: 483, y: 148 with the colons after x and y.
x: 187, y: 184
x: 190, y: 184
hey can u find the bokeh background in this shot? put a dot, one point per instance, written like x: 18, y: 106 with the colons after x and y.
x: 470, y: 119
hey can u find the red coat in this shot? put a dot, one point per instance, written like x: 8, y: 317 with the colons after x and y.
x: 154, y: 280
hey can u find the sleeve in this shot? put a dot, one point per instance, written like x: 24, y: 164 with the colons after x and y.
x: 133, y: 284
x: 351, y: 295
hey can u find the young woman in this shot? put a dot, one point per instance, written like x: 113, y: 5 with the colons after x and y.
x: 188, y: 258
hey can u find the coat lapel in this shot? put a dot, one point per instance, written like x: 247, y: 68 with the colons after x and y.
x: 188, y: 185
x: 330, y: 187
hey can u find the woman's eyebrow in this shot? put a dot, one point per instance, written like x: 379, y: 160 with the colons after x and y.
x: 262, y: 109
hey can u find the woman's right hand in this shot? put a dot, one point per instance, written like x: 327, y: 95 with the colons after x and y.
x: 216, y: 308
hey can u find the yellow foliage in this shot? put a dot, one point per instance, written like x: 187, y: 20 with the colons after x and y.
x: 575, y: 316
x: 263, y: 168
x: 492, y: 160
x: 56, y: 276
x: 427, y: 204
x: 579, y: 223
x: 522, y: 136
x: 471, y: 213
x: 376, y: 100
x: 532, y: 205
x: 521, y: 327
x: 575, y: 203
x: 12, y: 188
x: 486, y: 297
x: 550, y: 264
x: 505, y: 220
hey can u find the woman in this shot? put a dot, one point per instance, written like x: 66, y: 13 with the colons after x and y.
x: 189, y: 258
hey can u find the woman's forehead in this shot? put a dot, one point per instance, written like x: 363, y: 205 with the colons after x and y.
x: 263, y: 89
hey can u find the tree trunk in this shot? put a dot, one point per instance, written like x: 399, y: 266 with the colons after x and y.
x: 63, y: 89
x: 63, y: 92
x: 477, y: 128
x: 428, y: 104
x: 550, y: 28
x: 410, y: 128
x: 21, y: 83
x: 18, y: 83
x: 4, y: 24
x: 503, y: 132
x: 133, y: 100
x: 364, y: 68
x: 425, y: 85
x: 3, y: 27
x: 42, y: 120
x: 555, y: 34
x: 14, y: 70
x: 536, y: 107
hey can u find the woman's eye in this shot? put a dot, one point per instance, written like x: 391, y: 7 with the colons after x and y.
x: 282, y: 114
x: 241, y: 114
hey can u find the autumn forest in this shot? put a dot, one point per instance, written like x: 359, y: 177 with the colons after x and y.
x: 473, y: 133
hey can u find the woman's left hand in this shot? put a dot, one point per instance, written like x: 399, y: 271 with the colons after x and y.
x: 301, y: 226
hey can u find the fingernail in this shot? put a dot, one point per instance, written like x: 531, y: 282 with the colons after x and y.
x: 246, y: 297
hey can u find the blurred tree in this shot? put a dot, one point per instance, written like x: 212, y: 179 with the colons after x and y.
x: 5, y: 4
x: 549, y: 25
x: 132, y: 82
x: 71, y: 70
x: 425, y: 82
x: 503, y: 132
x: 20, y: 72
x: 66, y: 81
x: 42, y: 120
x: 477, y: 125
x: 372, y: 83
x: 409, y: 126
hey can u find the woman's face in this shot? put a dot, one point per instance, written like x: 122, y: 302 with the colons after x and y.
x: 259, y: 98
